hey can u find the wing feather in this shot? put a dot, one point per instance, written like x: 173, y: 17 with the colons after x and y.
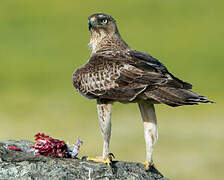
x: 122, y: 76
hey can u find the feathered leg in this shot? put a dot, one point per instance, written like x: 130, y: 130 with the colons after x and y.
x: 104, y: 115
x: 150, y: 129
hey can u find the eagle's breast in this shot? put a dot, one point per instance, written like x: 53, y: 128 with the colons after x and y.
x: 93, y: 77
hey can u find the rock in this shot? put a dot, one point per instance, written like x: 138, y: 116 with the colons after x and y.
x: 21, y: 165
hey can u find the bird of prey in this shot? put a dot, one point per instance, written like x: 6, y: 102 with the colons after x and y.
x: 117, y: 73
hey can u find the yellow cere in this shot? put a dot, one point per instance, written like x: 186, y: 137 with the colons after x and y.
x: 93, y: 19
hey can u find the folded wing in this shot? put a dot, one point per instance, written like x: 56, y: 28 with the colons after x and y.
x: 126, y: 76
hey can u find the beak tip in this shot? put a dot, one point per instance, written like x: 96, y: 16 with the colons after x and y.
x: 90, y: 24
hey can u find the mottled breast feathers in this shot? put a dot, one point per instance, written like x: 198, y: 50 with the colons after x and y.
x: 122, y: 76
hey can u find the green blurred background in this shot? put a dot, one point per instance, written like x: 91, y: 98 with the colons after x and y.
x: 43, y: 42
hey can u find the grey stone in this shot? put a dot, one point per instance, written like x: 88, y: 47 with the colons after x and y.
x: 21, y: 165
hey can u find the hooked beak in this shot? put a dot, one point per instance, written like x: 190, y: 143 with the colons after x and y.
x: 91, y: 22
x: 90, y: 25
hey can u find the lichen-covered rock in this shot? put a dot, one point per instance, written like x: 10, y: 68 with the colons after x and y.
x: 21, y: 165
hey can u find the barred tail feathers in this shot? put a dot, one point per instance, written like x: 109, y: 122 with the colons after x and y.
x: 176, y: 96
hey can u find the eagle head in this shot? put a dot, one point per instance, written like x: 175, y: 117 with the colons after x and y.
x: 104, y: 34
x: 102, y: 22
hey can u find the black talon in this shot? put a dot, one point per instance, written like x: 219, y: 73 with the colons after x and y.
x: 84, y: 158
x: 111, y: 156
x: 149, y: 166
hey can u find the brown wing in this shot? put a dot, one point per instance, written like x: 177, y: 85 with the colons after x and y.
x: 105, y: 76
x: 146, y: 62
x: 173, y: 91
x: 121, y: 76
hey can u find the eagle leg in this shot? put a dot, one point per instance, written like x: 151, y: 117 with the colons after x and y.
x: 104, y: 115
x: 150, y: 129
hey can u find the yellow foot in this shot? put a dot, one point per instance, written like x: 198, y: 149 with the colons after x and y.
x: 148, y: 165
x: 107, y: 161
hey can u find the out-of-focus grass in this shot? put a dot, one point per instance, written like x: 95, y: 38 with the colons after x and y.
x: 42, y: 42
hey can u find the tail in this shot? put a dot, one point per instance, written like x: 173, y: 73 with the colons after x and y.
x: 175, y: 96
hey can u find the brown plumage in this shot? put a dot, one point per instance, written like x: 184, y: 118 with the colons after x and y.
x: 118, y: 73
x: 115, y: 72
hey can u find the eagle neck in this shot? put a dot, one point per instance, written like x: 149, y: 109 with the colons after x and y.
x: 102, y: 41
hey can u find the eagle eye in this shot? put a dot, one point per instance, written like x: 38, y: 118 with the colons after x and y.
x: 103, y: 21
